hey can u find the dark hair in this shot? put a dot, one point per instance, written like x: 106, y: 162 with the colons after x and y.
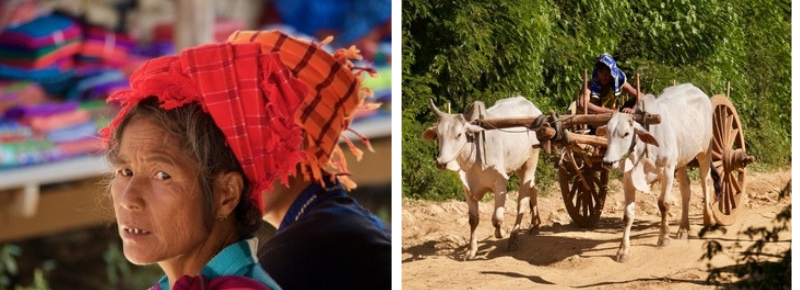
x: 204, y: 143
x: 598, y: 65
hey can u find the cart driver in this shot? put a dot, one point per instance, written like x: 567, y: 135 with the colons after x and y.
x: 606, y: 87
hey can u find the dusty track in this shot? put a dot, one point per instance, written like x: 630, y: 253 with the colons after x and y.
x: 435, y: 236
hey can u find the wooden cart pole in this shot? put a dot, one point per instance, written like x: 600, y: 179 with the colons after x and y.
x: 728, y: 90
x: 580, y: 96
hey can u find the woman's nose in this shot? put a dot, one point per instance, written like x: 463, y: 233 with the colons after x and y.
x: 130, y: 195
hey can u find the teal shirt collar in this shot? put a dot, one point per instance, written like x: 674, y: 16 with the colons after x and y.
x: 237, y: 259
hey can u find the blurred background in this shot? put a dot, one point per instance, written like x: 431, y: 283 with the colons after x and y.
x: 60, y: 59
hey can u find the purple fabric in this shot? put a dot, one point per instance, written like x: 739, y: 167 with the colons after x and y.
x: 43, y: 109
x: 220, y: 283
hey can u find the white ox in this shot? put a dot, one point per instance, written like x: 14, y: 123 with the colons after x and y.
x: 683, y: 135
x: 486, y: 168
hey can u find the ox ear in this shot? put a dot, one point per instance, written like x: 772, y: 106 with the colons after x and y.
x: 430, y: 134
x: 646, y: 137
x: 601, y: 131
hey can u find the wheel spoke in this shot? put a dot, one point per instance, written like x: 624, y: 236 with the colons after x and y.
x: 716, y: 154
x: 725, y: 125
x: 718, y: 165
x: 727, y: 195
x: 735, y: 182
x: 733, y: 133
x: 717, y: 135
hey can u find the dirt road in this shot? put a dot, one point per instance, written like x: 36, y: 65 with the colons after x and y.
x: 435, y: 236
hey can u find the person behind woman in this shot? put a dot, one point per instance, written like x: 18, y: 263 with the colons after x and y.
x: 325, y: 239
x: 198, y: 138
x: 607, y: 84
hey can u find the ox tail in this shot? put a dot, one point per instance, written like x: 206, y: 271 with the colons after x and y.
x: 717, y: 185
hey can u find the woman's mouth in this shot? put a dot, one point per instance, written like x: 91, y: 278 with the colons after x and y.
x: 134, y: 232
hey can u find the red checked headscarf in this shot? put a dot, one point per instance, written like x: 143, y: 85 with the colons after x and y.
x: 335, y: 93
x: 250, y: 95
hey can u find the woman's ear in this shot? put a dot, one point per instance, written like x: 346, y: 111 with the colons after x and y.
x: 228, y: 188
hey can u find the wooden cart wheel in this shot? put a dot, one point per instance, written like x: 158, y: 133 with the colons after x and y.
x: 729, y: 158
x: 584, y: 200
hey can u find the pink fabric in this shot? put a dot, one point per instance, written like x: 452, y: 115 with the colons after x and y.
x: 59, y: 120
x: 200, y: 282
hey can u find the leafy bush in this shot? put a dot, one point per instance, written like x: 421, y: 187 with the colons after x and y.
x: 460, y: 51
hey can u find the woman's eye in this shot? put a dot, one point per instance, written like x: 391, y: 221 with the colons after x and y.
x: 125, y: 172
x: 161, y: 175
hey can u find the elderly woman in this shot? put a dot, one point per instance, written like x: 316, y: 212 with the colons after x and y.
x: 198, y: 138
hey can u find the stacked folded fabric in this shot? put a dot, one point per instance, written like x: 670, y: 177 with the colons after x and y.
x: 41, y: 50
x: 106, y: 46
x: 48, y: 131
x: 97, y: 85
x: 17, y: 93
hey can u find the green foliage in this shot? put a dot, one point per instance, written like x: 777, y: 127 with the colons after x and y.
x: 460, y: 51
x: 8, y: 270
x: 8, y: 264
x: 115, y: 263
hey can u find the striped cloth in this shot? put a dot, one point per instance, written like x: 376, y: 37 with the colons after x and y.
x: 335, y: 92
x: 250, y: 95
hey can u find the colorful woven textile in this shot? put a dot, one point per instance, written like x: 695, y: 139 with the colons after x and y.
x: 104, y: 45
x: 335, y: 94
x: 16, y: 93
x: 57, y: 56
x: 251, y: 96
x: 44, y: 31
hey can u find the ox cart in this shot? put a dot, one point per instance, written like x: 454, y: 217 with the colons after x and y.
x: 579, y: 153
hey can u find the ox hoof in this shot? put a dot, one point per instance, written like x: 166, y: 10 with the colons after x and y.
x: 534, y: 231
x: 663, y: 242
x: 707, y: 220
x: 469, y: 256
x: 683, y: 234
x: 499, y: 232
x: 622, y: 257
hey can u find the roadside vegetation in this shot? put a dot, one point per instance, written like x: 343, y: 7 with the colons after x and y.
x: 459, y: 51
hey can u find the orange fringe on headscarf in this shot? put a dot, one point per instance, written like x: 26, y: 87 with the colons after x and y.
x: 335, y: 93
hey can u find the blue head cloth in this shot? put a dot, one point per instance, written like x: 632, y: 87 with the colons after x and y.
x: 617, y: 76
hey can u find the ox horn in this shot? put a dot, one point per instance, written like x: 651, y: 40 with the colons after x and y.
x: 435, y: 110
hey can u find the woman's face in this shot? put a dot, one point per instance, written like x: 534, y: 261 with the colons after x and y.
x: 604, y: 74
x: 157, y: 199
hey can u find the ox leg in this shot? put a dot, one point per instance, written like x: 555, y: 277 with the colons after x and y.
x: 686, y: 194
x: 499, y: 207
x: 474, y: 218
x: 627, y: 219
x: 705, y: 177
x: 667, y: 178
x: 536, y: 220
x: 523, y: 201
x: 527, y: 175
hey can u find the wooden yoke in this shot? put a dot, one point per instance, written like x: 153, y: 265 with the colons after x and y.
x: 566, y: 120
